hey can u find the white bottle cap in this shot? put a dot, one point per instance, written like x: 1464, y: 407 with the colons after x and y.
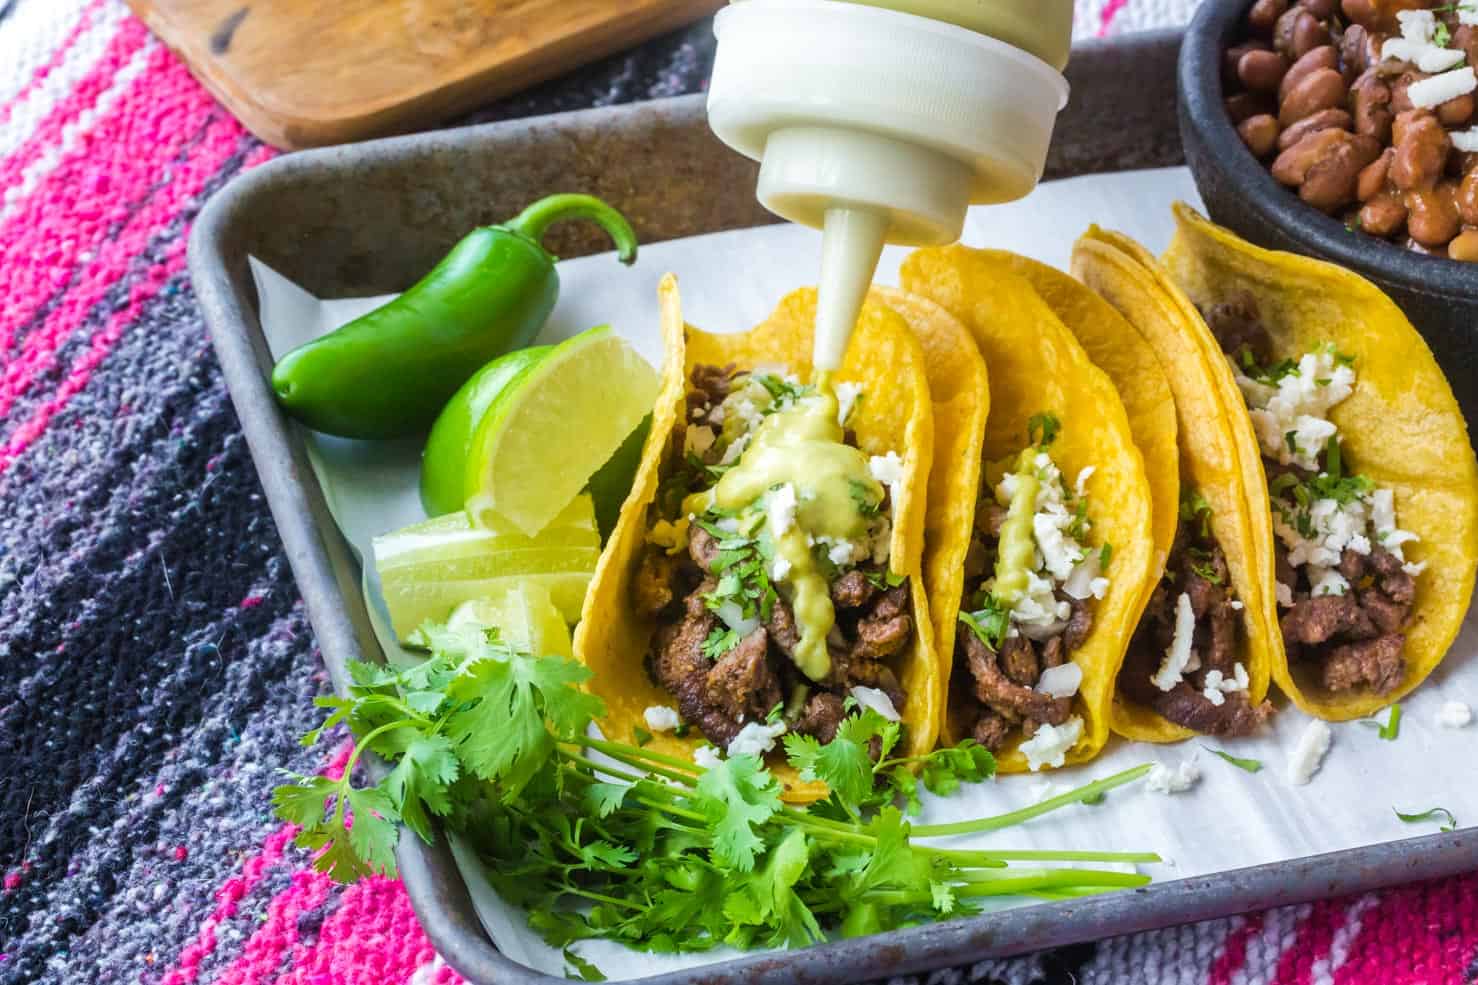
x: 876, y: 126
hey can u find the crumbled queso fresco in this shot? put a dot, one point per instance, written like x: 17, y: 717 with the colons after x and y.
x: 1060, y: 560
x: 661, y: 718
x: 1293, y: 429
x: 1178, y: 779
x: 1049, y: 747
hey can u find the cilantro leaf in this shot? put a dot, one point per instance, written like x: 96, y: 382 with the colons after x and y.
x: 373, y: 833
x: 420, y: 782
x: 990, y: 622
x: 862, y: 494
x: 603, y: 853
x: 735, y: 796
x: 1195, y: 510
x: 1435, y: 814
x: 500, y: 730
x: 303, y: 802
x: 1042, y: 429
x: 884, y: 580
x: 1250, y: 765
x: 720, y: 641
x: 580, y: 969
x: 946, y: 768
x: 641, y: 735
x: 605, y: 798
x: 1105, y: 553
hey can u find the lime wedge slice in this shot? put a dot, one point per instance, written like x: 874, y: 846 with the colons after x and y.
x: 428, y: 569
x: 553, y: 425
x: 525, y: 617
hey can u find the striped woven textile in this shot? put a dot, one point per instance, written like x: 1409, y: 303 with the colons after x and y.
x: 157, y: 666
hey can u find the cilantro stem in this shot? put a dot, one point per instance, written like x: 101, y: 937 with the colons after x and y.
x: 595, y: 767
x: 1050, y: 878
x: 1013, y: 855
x: 1086, y: 792
x: 363, y: 744
x: 626, y: 754
x: 600, y: 898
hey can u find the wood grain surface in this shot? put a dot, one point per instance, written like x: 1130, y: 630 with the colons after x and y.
x: 302, y: 73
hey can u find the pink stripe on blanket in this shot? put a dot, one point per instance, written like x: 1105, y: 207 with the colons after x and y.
x: 234, y: 890
x: 1110, y: 11
x: 1417, y: 935
x: 1311, y: 942
x: 372, y: 938
x: 1234, y: 951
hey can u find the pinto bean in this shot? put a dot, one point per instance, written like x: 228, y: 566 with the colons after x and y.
x: 1362, y: 12
x: 1465, y: 36
x: 1322, y: 9
x: 1400, y: 94
x: 1432, y: 218
x: 1467, y: 198
x: 1322, y: 88
x: 1264, y: 14
x: 1297, y: 32
x: 1244, y: 104
x: 1373, y: 176
x: 1464, y: 246
x: 1370, y: 97
x: 1383, y: 215
x: 1233, y: 57
x: 1456, y: 113
x: 1329, y: 184
x: 1325, y: 119
x: 1261, y: 71
x: 1358, y: 50
x: 1292, y: 166
x: 1421, y: 151
x: 1259, y: 133
x: 1323, y: 56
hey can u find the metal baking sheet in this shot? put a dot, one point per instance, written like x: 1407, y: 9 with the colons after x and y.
x: 366, y: 219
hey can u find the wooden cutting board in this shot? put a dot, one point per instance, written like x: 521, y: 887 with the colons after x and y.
x: 303, y: 73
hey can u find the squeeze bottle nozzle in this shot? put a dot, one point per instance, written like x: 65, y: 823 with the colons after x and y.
x: 879, y: 126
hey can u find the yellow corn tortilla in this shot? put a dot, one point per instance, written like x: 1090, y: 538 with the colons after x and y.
x: 1036, y: 365
x: 893, y: 414
x: 1401, y: 427
x: 1129, y: 279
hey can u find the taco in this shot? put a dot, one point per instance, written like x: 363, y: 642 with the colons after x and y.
x: 763, y: 576
x: 1201, y: 656
x: 1042, y: 546
x: 1372, y: 531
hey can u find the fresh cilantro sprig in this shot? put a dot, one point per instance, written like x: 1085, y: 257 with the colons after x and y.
x: 598, y: 839
x: 990, y: 621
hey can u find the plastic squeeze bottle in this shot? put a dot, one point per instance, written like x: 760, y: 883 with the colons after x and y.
x: 882, y: 121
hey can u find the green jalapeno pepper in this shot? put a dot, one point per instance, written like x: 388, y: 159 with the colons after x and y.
x: 388, y: 373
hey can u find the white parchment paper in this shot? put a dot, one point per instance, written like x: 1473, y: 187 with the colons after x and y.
x: 730, y: 281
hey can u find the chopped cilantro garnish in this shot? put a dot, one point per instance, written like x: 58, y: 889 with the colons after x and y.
x: 1441, y: 35
x: 774, y: 713
x: 580, y: 969
x: 1078, y: 529
x: 641, y: 735
x: 720, y: 641
x: 1042, y: 429
x: 742, y: 567
x: 862, y: 495
x: 1435, y: 814
x: 989, y: 622
x: 1104, y: 554
x: 782, y: 390
x: 1290, y: 438
x: 1195, y: 509
x: 1250, y: 765
x: 1201, y: 564
x: 884, y: 580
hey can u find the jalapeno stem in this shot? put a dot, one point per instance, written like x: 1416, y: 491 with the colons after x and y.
x: 535, y: 220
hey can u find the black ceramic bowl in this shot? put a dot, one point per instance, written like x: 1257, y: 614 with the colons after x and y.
x: 1440, y: 296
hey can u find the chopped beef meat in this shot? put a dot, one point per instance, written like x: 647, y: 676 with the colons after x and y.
x: 977, y: 558
x: 870, y: 673
x: 702, y: 546
x: 1351, y: 566
x: 782, y: 628
x: 1078, y: 624
x: 679, y: 665
x: 1378, y: 663
x: 1391, y: 576
x: 879, y: 637
x: 852, y: 590
x: 1054, y: 652
x: 820, y: 717
x: 994, y: 689
x: 1018, y: 658
x: 1197, y: 568
x: 992, y: 729
x: 653, y: 589
x: 1237, y: 328
x: 989, y: 515
x: 1386, y: 613
x: 1318, y: 620
x: 711, y: 385
x: 741, y: 684
x: 892, y: 603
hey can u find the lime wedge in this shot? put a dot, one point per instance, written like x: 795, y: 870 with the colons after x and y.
x: 428, y: 569
x: 525, y: 617
x: 553, y: 424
